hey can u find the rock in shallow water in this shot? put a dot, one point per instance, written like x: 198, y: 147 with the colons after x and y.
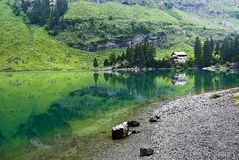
x: 133, y: 123
x: 120, y: 131
x: 146, y: 152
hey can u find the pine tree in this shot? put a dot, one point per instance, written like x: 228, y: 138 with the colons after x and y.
x: 123, y: 56
x: 61, y: 6
x: 140, y: 57
x: 235, y: 50
x: 95, y: 63
x: 129, y: 55
x: 198, y: 52
x: 51, y: 21
x: 207, y: 53
x: 225, y: 50
x: 217, y: 49
x: 112, y: 59
x: 40, y: 12
x: 212, y: 46
x: 106, y: 62
x: 152, y: 53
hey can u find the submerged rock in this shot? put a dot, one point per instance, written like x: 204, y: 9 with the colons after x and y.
x: 146, y: 152
x: 120, y: 131
x: 133, y: 123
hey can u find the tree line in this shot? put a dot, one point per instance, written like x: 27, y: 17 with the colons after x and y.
x: 41, y: 12
x: 140, y: 55
x: 216, y: 52
x: 209, y: 52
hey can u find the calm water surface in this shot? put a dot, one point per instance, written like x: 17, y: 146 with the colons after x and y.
x: 62, y: 115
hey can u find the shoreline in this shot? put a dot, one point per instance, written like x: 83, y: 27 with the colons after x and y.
x: 94, y: 70
x: 191, y: 127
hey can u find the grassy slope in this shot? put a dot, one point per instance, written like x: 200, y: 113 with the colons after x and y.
x: 31, y: 48
x: 87, y: 10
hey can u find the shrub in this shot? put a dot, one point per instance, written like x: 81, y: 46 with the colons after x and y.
x: 110, y: 18
x: 215, y: 96
x: 228, y: 64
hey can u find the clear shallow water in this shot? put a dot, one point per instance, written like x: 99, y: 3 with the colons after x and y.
x: 56, y: 115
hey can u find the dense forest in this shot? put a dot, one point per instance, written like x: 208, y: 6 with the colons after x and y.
x: 140, y: 55
x: 215, y: 52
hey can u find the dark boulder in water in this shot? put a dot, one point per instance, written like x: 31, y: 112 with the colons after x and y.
x: 133, y: 123
x: 120, y: 131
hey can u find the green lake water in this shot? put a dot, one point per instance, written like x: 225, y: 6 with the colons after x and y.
x: 69, y: 115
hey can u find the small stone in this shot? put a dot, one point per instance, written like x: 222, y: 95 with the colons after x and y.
x: 136, y: 131
x: 133, y: 123
x: 153, y: 119
x: 146, y: 152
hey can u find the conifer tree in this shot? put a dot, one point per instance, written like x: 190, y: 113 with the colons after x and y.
x: 212, y: 46
x: 217, y: 49
x: 106, y: 62
x: 61, y: 6
x: 225, y: 50
x: 95, y: 63
x: 207, y: 53
x: 40, y: 12
x: 112, y: 59
x: 198, y: 52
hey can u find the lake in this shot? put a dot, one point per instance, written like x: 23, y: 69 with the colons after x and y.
x: 69, y: 115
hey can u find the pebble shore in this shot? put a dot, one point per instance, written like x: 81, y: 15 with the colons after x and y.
x: 194, y: 127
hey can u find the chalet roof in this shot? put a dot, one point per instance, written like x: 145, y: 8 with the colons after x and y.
x: 179, y: 54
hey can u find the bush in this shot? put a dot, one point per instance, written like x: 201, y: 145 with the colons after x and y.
x: 228, y: 64
x: 16, y: 7
x: 215, y: 96
x: 110, y: 18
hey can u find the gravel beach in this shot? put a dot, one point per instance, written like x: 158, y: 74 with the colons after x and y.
x: 194, y: 127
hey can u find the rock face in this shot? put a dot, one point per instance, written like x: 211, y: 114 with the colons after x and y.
x: 190, y: 5
x: 128, y: 2
x: 120, y: 131
x: 133, y: 123
x: 158, y: 39
x: 146, y: 152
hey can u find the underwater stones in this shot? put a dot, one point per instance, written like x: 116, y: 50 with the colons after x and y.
x: 146, y: 152
x: 133, y: 123
x: 120, y: 131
